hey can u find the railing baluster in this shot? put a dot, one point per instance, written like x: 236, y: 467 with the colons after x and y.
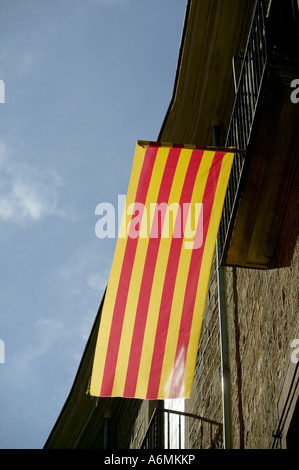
x: 152, y: 437
x: 248, y: 92
x: 168, y: 429
x: 180, y: 440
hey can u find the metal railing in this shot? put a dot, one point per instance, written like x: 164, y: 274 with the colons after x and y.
x: 273, y: 38
x: 159, y: 433
x: 250, y: 86
x: 153, y: 438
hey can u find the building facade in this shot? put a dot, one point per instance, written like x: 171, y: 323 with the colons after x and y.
x: 235, y: 86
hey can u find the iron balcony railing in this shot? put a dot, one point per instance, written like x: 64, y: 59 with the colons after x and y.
x: 249, y: 90
x: 165, y: 432
x: 273, y: 39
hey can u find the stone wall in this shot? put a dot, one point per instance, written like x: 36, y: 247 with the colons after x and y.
x: 263, y: 318
x: 263, y: 315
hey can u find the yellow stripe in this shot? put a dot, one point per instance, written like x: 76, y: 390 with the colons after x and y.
x: 205, y: 274
x: 180, y: 285
x: 136, y: 277
x: 107, y: 312
x: 158, y: 282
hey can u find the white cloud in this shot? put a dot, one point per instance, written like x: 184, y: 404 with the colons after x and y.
x: 27, y: 193
x: 83, y: 279
x: 27, y: 61
x: 48, y: 331
x: 79, y: 284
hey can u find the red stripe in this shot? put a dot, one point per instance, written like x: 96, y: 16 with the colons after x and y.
x: 169, y: 283
x: 192, y: 281
x: 147, y: 279
x: 124, y: 281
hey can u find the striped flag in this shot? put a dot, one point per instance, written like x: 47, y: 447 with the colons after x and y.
x: 152, y: 314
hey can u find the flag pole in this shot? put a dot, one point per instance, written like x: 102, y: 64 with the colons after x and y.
x: 214, y: 148
x: 225, y: 369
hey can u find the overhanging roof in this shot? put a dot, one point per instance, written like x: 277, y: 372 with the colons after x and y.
x: 203, y: 95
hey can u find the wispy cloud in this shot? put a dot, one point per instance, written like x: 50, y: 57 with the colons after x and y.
x: 27, y: 61
x: 84, y: 277
x: 79, y: 284
x: 27, y: 193
x: 47, y: 332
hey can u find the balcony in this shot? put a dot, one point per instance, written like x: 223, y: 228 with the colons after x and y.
x: 259, y: 225
x: 167, y: 428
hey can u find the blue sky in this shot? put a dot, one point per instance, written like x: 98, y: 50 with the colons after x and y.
x: 84, y: 80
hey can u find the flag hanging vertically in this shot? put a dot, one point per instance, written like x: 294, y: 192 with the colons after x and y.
x: 152, y: 313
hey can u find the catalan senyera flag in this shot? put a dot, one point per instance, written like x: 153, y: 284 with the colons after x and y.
x: 152, y: 313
